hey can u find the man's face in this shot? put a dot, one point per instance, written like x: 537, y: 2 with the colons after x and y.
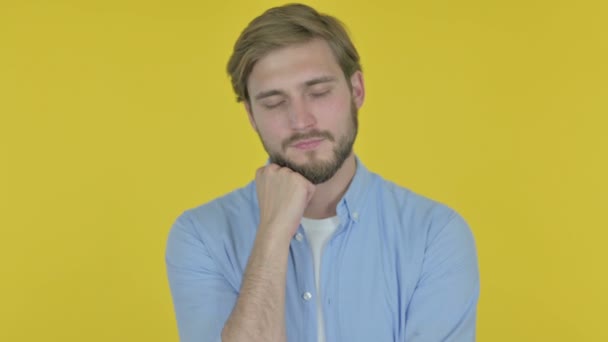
x: 304, y: 110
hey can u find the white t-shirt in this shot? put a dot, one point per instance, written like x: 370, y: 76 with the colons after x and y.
x: 318, y: 233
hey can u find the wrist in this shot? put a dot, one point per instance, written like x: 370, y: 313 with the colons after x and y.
x: 275, y: 234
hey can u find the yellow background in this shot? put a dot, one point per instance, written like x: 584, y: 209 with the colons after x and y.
x: 115, y: 116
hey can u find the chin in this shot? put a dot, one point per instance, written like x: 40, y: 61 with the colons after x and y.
x: 310, y: 157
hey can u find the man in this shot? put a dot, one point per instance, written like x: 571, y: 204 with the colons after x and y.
x: 317, y: 248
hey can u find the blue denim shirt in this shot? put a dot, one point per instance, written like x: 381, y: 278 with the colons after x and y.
x: 400, y: 267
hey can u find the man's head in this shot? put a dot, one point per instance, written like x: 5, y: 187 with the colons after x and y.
x: 300, y: 78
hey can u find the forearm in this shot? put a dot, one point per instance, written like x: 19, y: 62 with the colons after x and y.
x: 259, y: 314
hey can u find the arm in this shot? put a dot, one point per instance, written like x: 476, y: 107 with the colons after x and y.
x: 259, y: 314
x: 207, y: 306
x: 444, y: 304
x: 202, y: 297
x: 204, y: 300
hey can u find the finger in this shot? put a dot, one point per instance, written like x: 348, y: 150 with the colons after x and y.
x: 272, y: 166
x: 258, y: 172
x: 311, y: 187
x: 285, y: 170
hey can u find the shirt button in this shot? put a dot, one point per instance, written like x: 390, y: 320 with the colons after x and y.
x: 356, y: 215
x: 307, y: 296
x: 299, y: 236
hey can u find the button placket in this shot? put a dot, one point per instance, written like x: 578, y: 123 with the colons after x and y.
x: 299, y: 236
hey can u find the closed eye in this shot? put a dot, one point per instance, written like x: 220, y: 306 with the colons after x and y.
x: 273, y: 105
x: 320, y: 94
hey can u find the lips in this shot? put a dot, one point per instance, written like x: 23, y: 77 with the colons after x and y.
x: 307, y: 144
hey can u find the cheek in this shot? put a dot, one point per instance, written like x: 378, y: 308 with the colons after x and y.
x: 333, y: 111
x: 271, y: 131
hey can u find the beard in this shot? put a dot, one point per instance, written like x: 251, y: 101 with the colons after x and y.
x: 319, y: 171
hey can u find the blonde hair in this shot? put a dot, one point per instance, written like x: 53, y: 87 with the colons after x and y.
x: 283, y: 26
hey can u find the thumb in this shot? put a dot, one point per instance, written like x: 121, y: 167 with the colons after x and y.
x: 310, y: 190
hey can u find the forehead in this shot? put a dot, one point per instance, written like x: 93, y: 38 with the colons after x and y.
x: 293, y: 66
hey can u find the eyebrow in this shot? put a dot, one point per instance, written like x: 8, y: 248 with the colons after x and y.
x: 309, y: 83
x: 322, y: 79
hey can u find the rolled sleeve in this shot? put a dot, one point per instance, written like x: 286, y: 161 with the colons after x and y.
x: 202, y: 298
x: 444, y: 304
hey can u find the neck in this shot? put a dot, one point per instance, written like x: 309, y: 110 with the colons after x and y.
x: 324, y: 201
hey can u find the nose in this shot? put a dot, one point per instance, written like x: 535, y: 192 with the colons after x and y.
x: 300, y: 116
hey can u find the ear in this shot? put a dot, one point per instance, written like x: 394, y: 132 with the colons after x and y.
x: 358, y: 88
x: 250, y: 114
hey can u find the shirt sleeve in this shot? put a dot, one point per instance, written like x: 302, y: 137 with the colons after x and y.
x: 444, y: 304
x: 202, y: 298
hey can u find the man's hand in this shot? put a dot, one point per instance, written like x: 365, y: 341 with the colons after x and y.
x: 282, y: 196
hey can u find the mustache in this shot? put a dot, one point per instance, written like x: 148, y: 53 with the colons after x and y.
x: 308, y: 135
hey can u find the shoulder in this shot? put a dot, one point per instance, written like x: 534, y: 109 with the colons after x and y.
x: 218, y: 216
x: 409, y: 201
x: 222, y: 230
x: 417, y: 213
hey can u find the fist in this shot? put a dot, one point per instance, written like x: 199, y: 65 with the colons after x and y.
x: 283, y: 195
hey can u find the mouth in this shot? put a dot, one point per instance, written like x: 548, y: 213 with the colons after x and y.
x: 308, y: 144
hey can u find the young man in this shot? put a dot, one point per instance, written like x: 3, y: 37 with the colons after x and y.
x: 317, y: 248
